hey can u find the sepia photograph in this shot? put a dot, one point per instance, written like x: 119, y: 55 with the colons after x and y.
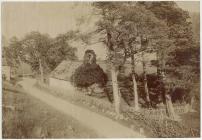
x: 100, y: 69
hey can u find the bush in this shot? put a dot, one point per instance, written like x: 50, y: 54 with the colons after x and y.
x: 88, y: 74
x: 177, y: 92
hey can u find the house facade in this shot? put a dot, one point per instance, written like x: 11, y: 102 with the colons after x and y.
x: 6, y: 73
x: 61, y: 76
x: 6, y: 70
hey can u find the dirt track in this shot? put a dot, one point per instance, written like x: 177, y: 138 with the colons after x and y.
x: 28, y: 117
x: 104, y: 126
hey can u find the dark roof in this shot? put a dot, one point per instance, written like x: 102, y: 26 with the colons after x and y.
x: 67, y: 67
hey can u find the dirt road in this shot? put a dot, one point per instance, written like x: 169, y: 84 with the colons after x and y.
x: 25, y: 117
x: 103, y: 126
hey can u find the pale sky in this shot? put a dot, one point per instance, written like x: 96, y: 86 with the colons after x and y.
x: 191, y: 6
x: 19, y: 18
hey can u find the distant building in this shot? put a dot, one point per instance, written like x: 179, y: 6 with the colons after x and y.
x: 24, y: 70
x: 6, y: 70
x: 9, y: 72
x: 61, y: 76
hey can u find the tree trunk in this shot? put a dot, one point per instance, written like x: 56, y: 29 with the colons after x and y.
x: 116, y: 94
x: 134, y: 82
x: 114, y: 74
x: 170, y: 109
x: 191, y: 109
x: 192, y: 102
x: 158, y: 62
x: 159, y: 75
x: 21, y: 67
x: 41, y: 71
x: 169, y: 105
x: 145, y: 79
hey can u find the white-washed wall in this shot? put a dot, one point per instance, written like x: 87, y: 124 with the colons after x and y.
x: 60, y: 84
x: 6, y: 72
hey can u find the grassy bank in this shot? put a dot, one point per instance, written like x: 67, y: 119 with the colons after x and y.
x: 134, y: 120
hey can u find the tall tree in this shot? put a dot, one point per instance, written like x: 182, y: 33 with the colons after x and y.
x: 137, y: 27
x: 177, y: 57
x: 146, y: 90
x: 13, y: 51
x: 36, y: 46
x: 109, y: 14
x: 123, y: 23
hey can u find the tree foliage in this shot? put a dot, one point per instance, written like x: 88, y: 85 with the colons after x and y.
x: 35, y: 46
x: 13, y: 52
x: 61, y: 49
x: 182, y: 58
x: 126, y: 21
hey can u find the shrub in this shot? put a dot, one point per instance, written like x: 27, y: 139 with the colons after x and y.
x: 89, y: 74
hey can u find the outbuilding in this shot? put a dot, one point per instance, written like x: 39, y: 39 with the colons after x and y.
x: 61, y: 76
